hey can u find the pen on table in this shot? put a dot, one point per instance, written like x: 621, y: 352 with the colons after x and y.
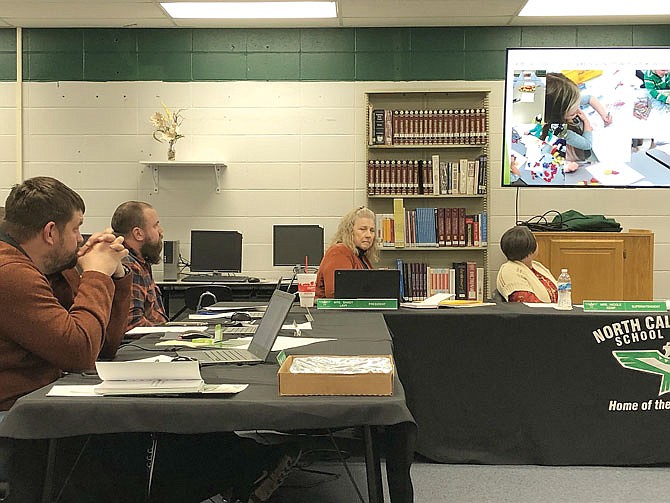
x: 185, y: 324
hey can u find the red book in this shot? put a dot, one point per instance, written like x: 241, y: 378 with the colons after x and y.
x: 393, y: 178
x: 373, y: 173
x: 402, y: 167
x: 450, y: 126
x: 461, y: 226
x: 469, y: 231
x: 386, y: 184
x: 388, y: 127
x: 482, y: 126
x: 472, y: 280
x: 395, y: 127
x: 454, y: 226
x: 440, y: 226
x: 447, y: 227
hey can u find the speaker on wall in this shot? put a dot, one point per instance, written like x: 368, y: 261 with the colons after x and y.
x: 170, y: 260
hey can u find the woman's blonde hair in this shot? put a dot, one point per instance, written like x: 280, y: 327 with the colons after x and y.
x: 345, y: 232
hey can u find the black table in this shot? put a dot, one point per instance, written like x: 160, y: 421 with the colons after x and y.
x: 258, y: 407
x: 513, y: 384
x: 173, y: 291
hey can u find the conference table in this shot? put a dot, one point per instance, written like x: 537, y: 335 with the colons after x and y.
x: 382, y: 419
x: 513, y: 384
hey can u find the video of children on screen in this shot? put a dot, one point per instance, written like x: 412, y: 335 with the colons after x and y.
x: 563, y: 122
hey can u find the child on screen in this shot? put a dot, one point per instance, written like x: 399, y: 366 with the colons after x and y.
x: 563, y: 102
x: 657, y: 82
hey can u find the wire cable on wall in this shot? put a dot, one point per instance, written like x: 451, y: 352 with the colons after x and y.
x: 541, y: 223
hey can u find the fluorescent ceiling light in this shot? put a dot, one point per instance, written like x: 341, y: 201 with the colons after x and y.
x: 579, y: 8
x: 250, y: 10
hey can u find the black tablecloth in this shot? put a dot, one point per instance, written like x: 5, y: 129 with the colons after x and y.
x: 259, y: 406
x: 36, y: 416
x: 514, y: 384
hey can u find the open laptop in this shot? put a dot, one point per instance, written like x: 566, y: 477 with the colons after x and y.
x: 367, y: 284
x: 262, y: 342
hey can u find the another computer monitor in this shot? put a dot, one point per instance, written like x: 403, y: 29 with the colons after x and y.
x: 216, y: 251
x: 291, y: 243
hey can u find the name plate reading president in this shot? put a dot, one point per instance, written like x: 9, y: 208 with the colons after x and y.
x: 627, y: 306
x: 357, y: 303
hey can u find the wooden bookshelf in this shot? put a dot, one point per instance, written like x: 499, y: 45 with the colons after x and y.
x: 429, y: 133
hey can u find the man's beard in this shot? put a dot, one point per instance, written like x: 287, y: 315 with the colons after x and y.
x: 151, y: 252
x: 58, y: 261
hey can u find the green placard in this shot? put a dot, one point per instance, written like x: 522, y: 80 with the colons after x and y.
x: 642, y: 306
x: 357, y: 303
x: 281, y: 358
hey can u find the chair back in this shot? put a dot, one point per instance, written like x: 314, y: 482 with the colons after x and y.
x: 6, y: 451
x: 197, y: 297
x: 496, y: 296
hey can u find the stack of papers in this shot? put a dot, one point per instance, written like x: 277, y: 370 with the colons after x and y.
x: 432, y: 302
x: 465, y: 303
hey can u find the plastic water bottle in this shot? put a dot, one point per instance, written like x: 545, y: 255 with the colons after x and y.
x: 564, y: 291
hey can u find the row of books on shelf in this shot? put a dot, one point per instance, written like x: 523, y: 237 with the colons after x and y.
x: 431, y: 227
x: 419, y: 281
x: 428, y: 127
x: 434, y: 176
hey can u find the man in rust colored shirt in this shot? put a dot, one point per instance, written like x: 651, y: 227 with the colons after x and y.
x: 62, y: 305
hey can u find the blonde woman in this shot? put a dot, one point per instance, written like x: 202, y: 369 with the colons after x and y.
x: 354, y: 246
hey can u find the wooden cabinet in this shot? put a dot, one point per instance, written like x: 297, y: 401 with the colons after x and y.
x: 602, y: 265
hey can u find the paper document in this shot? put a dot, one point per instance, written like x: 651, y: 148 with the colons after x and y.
x: 431, y: 302
x: 465, y: 303
x: 218, y: 315
x: 162, y: 329
x: 88, y: 389
x: 280, y: 344
x: 222, y: 308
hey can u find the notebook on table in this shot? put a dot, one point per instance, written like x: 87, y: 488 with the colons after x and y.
x: 262, y: 342
x: 367, y: 284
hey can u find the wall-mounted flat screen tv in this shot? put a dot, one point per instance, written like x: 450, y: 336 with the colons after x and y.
x: 587, y: 117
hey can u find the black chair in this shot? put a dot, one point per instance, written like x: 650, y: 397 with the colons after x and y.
x: 197, y: 297
x: 497, y: 297
x: 6, y: 449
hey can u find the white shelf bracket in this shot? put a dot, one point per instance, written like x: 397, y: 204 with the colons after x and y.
x: 217, y: 173
x: 155, y: 170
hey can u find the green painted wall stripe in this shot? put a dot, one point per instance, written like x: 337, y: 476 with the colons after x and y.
x: 308, y: 54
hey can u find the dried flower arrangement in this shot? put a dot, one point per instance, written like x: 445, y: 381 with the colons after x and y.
x: 167, y: 128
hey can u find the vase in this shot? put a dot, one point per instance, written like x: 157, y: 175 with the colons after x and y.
x: 171, y: 152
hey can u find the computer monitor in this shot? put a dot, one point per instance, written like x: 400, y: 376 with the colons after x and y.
x: 291, y: 243
x: 216, y: 251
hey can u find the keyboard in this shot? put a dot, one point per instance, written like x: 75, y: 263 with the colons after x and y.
x: 217, y: 278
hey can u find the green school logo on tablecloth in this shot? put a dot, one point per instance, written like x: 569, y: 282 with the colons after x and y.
x: 650, y: 361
